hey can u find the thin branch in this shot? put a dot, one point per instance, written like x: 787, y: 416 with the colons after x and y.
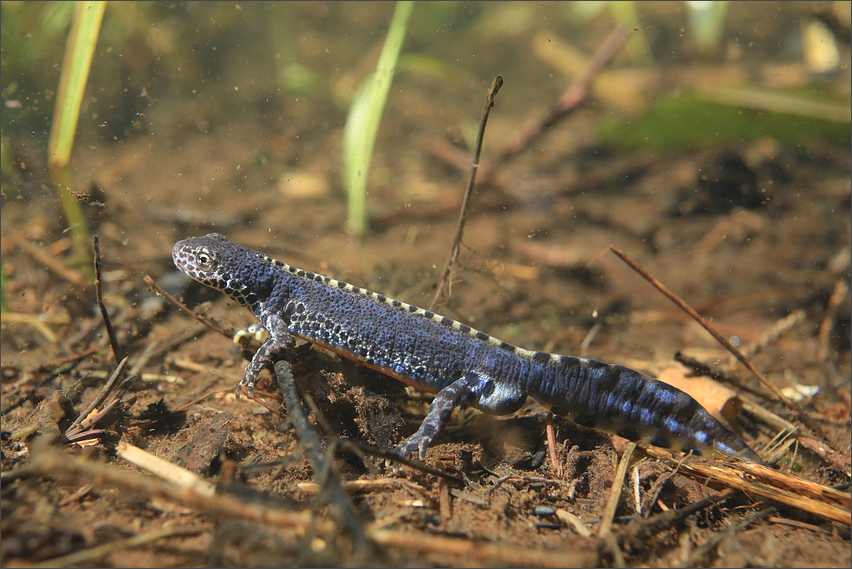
x: 454, y: 250
x: 93, y: 555
x: 639, y: 531
x: 758, y: 480
x: 101, y: 397
x: 571, y: 99
x: 76, y: 469
x: 698, y: 318
x: 841, y: 289
x: 309, y: 440
x: 150, y: 282
x: 551, y: 446
x: 388, y: 455
x: 52, y: 262
x: 698, y: 554
x: 615, y: 491
x: 772, y: 335
x: 117, y: 352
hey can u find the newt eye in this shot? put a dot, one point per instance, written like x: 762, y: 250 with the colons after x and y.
x: 205, y: 260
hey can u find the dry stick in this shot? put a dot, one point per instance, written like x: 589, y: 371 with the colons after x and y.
x: 33, y: 321
x: 473, y: 553
x: 364, y: 486
x: 792, y: 405
x: 841, y: 289
x: 90, y: 433
x: 101, y: 397
x: 445, y: 505
x: 454, y: 250
x: 698, y: 554
x: 84, y: 429
x: 76, y: 470
x: 310, y: 442
x: 164, y: 469
x: 551, y: 446
x: 839, y: 460
x: 638, y: 532
x: 697, y: 317
x: 615, y: 491
x: 52, y: 262
x: 773, y: 334
x: 113, y: 340
x: 612, y: 545
x: 700, y: 368
x: 150, y: 282
x: 636, y: 481
x: 93, y: 554
x: 60, y: 466
x: 758, y: 480
x: 570, y: 100
x: 388, y: 455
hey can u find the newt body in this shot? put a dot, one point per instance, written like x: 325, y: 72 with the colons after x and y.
x: 442, y: 356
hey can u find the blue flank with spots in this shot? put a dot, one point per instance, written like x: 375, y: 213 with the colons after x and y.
x: 445, y: 357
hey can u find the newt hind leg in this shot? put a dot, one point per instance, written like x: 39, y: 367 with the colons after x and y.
x: 474, y: 388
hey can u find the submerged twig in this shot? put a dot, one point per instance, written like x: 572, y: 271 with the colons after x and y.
x: 615, y: 491
x: 695, y: 557
x: 310, y: 442
x: 759, y: 480
x: 454, y: 249
x: 177, y: 475
x: 152, y: 283
x: 773, y: 334
x: 92, y: 556
x: 841, y: 289
x: 388, y: 455
x: 117, y: 352
x: 100, y: 398
x: 551, y: 445
x: 477, y: 553
x: 73, y: 469
x: 52, y: 262
x: 706, y: 325
x: 570, y: 100
x: 640, y: 530
x: 700, y: 368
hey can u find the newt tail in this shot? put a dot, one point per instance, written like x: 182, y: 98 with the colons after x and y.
x: 442, y: 356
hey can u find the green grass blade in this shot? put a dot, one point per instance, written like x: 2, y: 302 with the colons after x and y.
x: 707, y: 19
x: 79, y: 50
x: 4, y: 302
x: 72, y: 84
x: 365, y: 113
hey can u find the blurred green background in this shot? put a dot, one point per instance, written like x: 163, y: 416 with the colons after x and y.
x: 692, y: 75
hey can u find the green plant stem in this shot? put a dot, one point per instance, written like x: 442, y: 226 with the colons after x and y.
x: 79, y: 50
x: 362, y: 124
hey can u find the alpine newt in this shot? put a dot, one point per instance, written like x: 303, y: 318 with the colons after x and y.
x: 442, y: 356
